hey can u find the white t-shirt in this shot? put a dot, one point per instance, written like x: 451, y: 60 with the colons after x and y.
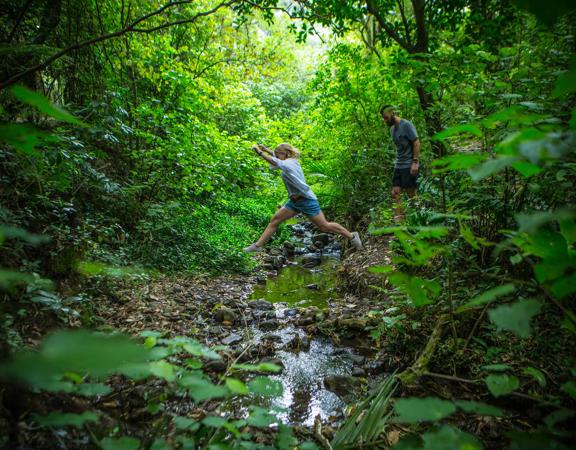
x: 293, y: 177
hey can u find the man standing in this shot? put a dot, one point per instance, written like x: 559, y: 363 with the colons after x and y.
x: 407, y: 144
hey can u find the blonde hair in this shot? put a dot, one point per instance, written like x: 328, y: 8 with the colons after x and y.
x: 290, y: 151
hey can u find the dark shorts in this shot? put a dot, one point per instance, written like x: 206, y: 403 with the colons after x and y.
x: 308, y: 206
x: 404, y: 179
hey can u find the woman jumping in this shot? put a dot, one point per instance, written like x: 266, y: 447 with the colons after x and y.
x: 301, y: 198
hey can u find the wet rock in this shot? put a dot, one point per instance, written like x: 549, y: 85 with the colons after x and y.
x: 290, y: 312
x: 264, y: 314
x: 376, y: 367
x: 354, y: 323
x: 271, y: 337
x: 274, y: 262
x: 215, y: 365
x: 225, y: 314
x: 303, y: 321
x: 341, y: 385
x: 322, y: 238
x: 358, y: 372
x: 355, y: 359
x: 289, y: 249
x: 312, y: 286
x: 232, y: 338
x: 260, y: 304
x: 270, y: 324
x: 276, y: 252
x: 310, y: 261
x: 298, y: 343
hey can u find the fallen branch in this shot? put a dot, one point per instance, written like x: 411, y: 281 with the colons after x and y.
x: 417, y: 369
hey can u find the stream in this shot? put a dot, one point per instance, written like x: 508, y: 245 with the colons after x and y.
x: 303, y: 378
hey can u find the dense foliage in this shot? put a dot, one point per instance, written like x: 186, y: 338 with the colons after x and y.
x: 126, y: 133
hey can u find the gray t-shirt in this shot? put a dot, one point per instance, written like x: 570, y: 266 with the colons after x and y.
x: 293, y: 177
x: 403, y: 134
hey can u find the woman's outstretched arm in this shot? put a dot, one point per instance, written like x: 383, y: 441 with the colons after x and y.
x: 262, y: 153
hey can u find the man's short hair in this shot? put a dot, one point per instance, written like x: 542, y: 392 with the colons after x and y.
x: 386, y: 108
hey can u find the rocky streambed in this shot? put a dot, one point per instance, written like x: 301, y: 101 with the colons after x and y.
x: 292, y: 318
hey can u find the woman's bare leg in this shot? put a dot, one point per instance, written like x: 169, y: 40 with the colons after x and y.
x: 282, y: 215
x: 330, y: 227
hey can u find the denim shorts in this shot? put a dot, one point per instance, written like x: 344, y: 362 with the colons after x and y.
x: 308, y: 206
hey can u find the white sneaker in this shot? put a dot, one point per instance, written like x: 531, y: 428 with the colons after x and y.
x: 355, y: 241
x: 253, y: 248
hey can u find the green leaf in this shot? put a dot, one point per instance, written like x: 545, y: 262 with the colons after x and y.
x: 538, y: 375
x: 64, y: 419
x: 422, y: 292
x: 412, y: 410
x: 185, y: 423
x: 458, y: 129
x: 497, y: 367
x: 488, y: 296
x: 285, y: 439
x: 265, y: 386
x: 570, y: 388
x: 566, y: 82
x: 79, y: 351
x: 481, y: 409
x: 236, y: 386
x: 122, y: 443
x: 261, y: 418
x: 262, y: 367
x: 449, y: 438
x: 515, y: 317
x: 24, y: 138
x: 40, y: 102
x: 90, y: 389
x: 201, y: 389
x: 501, y: 384
x: 491, y: 167
x: 163, y: 369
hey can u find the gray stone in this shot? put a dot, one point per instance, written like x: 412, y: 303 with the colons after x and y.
x: 260, y: 304
x: 309, y: 261
x: 270, y: 324
x: 313, y: 286
x: 358, y: 372
x: 341, y: 385
x: 225, y: 314
x: 232, y: 338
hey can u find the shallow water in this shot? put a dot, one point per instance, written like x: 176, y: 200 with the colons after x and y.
x: 290, y: 285
x: 304, y: 394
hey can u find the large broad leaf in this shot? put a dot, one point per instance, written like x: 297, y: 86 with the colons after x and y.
x: 43, y: 105
x: 488, y: 296
x: 458, y: 161
x: 122, y: 443
x: 491, y: 167
x: 79, y: 351
x: 236, y: 386
x: 201, y: 389
x: 265, y: 386
x: 64, y: 419
x: 449, y: 438
x: 515, y: 317
x: 468, y: 128
x: 163, y: 369
x: 261, y: 418
x: 478, y: 408
x: 501, y: 384
x: 24, y: 138
x: 421, y: 292
x: 412, y: 410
